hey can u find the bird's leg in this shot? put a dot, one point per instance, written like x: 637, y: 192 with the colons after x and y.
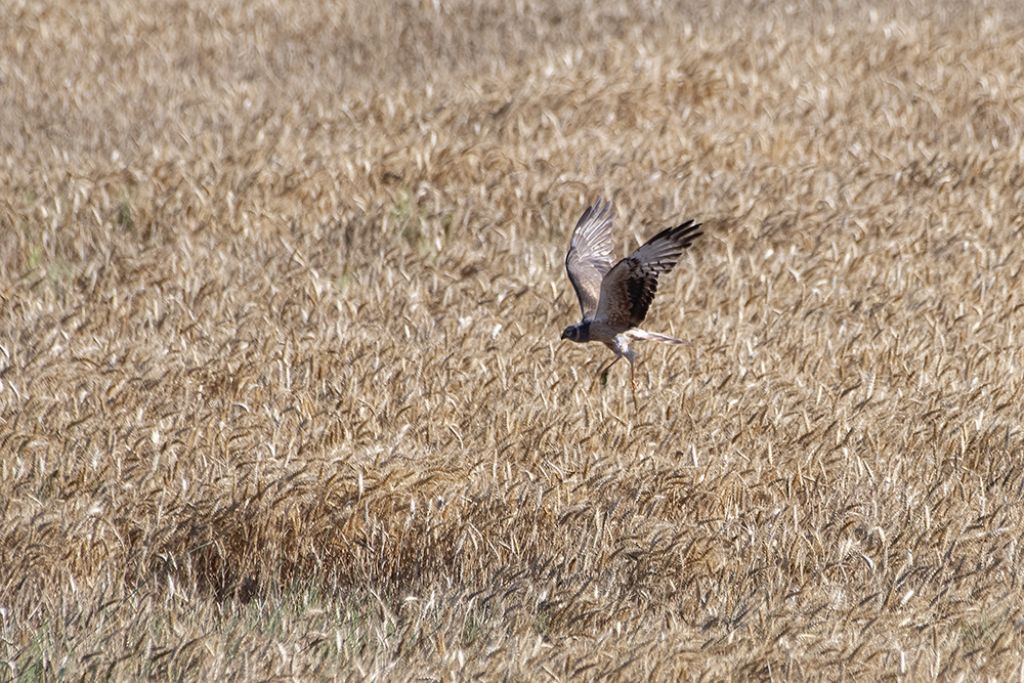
x: 631, y: 357
x: 607, y: 369
x: 632, y: 382
x: 603, y: 372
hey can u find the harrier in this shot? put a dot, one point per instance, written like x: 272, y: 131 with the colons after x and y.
x: 614, y: 300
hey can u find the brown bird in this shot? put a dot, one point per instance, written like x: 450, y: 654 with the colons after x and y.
x: 614, y: 300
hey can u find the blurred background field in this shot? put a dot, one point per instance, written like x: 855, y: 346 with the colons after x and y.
x: 281, y: 390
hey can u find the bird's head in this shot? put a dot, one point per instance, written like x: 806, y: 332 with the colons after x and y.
x: 572, y: 333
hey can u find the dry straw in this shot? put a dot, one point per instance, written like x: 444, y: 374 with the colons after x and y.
x: 281, y: 391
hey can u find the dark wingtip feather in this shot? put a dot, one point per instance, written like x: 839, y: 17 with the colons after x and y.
x: 686, y: 233
x: 683, y: 234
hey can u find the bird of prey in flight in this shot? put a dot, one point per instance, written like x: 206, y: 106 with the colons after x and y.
x: 614, y: 300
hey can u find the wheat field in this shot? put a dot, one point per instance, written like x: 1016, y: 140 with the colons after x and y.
x: 282, y: 394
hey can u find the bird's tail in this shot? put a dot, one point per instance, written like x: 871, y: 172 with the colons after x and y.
x: 637, y: 333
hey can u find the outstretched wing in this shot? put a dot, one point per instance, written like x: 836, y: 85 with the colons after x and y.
x: 590, y: 254
x: 628, y: 289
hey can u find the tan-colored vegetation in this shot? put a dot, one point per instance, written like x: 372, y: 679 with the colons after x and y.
x: 282, y: 393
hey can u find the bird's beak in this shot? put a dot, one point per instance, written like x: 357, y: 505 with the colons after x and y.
x: 564, y: 335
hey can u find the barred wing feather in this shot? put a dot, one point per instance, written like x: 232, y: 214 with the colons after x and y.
x: 628, y: 289
x: 590, y: 254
